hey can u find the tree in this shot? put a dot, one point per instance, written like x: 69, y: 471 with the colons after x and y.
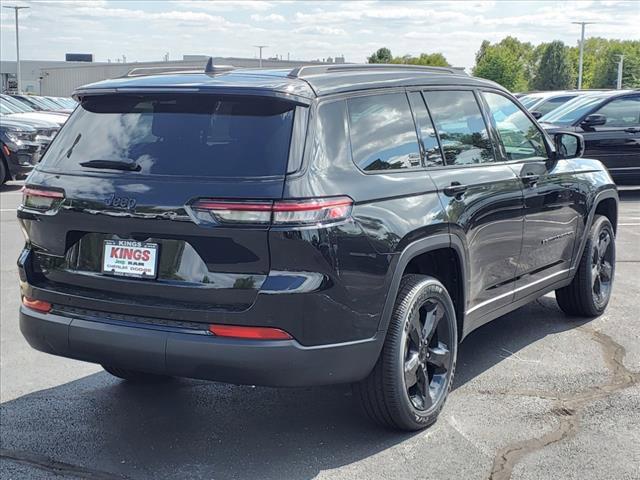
x: 504, y: 62
x: 605, y: 66
x: 430, y: 59
x: 554, y: 72
x: 382, y: 55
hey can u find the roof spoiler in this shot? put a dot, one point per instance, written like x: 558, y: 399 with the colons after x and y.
x: 209, y: 69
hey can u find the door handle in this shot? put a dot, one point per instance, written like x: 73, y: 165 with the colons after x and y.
x: 632, y: 130
x: 455, y: 189
x: 530, y: 179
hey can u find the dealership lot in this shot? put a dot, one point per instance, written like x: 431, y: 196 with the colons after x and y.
x: 536, y: 396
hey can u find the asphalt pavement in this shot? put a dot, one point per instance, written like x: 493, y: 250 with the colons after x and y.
x: 536, y: 396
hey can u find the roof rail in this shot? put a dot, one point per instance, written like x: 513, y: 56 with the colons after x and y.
x: 307, y: 70
x: 209, y: 69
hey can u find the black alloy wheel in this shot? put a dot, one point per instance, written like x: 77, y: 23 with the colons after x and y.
x: 410, y: 382
x: 427, y: 351
x: 589, y: 292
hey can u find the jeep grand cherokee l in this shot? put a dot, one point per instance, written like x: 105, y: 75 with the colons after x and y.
x: 323, y: 225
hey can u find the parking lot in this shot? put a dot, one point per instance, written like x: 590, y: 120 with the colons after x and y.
x: 536, y: 396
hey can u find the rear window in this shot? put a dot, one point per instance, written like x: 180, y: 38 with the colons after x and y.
x: 189, y: 135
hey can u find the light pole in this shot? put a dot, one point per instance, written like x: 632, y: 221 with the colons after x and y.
x: 260, y: 47
x: 620, y: 65
x: 18, y: 76
x: 581, y: 51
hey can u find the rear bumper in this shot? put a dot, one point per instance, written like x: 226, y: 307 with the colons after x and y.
x: 198, y: 355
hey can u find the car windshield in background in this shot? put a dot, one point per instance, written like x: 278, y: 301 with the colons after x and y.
x: 529, y: 100
x: 16, y: 106
x: 573, y: 110
x: 186, y: 135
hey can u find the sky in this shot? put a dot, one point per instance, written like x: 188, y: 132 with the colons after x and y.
x: 147, y: 30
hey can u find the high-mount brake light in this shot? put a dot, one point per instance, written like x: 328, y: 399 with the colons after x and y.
x: 279, y: 212
x: 40, y: 199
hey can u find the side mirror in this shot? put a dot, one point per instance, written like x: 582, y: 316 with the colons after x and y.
x: 593, y: 120
x: 535, y: 114
x: 568, y: 145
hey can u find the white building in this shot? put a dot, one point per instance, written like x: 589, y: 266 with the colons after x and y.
x: 60, y: 79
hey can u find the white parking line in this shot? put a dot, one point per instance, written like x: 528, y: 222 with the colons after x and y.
x: 7, y: 209
x: 629, y: 224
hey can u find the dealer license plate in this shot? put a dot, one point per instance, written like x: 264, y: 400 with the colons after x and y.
x: 130, y: 259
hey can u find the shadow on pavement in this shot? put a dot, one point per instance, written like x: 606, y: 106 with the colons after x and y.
x: 629, y: 193
x: 11, y: 187
x: 193, y: 429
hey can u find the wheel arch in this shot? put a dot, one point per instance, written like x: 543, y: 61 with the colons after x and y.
x: 604, y: 203
x: 430, y: 256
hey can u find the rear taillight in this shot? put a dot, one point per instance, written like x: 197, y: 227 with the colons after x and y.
x: 41, y: 199
x: 236, y: 212
x: 280, y: 212
x: 249, y: 333
x: 38, y: 305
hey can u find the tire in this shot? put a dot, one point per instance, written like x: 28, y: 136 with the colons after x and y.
x: 384, y: 394
x: 135, y: 376
x: 590, y: 290
x: 3, y: 171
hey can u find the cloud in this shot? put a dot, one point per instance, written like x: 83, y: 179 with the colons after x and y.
x: 144, y: 30
x: 319, y: 30
x: 224, y: 5
x: 272, y: 17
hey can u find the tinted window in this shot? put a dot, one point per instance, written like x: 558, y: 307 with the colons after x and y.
x: 519, y: 135
x: 196, y: 135
x: 461, y: 127
x: 529, y: 100
x: 383, y: 135
x: 623, y: 112
x: 573, y: 110
x: 428, y: 138
x: 551, y: 104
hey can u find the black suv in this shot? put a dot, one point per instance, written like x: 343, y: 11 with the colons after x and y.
x: 323, y: 225
x: 610, y: 125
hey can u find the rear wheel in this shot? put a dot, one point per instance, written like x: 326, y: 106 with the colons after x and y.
x: 135, y: 376
x: 410, y: 382
x: 589, y: 292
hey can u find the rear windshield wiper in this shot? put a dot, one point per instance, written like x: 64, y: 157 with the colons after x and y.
x: 127, y: 165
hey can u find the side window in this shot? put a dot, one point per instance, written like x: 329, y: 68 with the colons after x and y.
x: 428, y: 137
x: 462, y: 130
x: 520, y: 137
x: 623, y: 112
x: 383, y: 136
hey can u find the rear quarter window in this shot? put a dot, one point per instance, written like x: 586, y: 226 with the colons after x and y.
x: 185, y: 134
x: 383, y: 135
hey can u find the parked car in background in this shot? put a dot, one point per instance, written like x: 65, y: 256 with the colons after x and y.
x: 41, y: 103
x: 541, y: 103
x: 18, y: 111
x: 609, y: 121
x: 66, y: 102
x: 19, y: 149
x: 326, y: 224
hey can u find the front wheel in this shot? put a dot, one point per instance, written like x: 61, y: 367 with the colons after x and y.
x: 589, y: 292
x: 411, y: 380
